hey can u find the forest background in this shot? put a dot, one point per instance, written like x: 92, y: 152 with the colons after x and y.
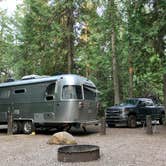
x: 118, y: 44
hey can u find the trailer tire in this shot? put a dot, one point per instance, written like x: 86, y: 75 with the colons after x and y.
x: 16, y: 128
x: 27, y: 127
x: 64, y: 128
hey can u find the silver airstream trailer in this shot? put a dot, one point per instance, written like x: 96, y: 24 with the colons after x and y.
x: 49, y: 101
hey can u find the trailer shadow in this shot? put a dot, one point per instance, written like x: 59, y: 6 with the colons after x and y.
x: 3, y: 131
x: 81, y: 132
x: 73, y: 131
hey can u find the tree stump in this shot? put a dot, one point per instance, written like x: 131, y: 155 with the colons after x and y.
x: 149, y: 125
x: 10, y: 123
x: 102, y: 126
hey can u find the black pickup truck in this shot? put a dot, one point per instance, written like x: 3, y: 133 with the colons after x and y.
x: 134, y: 110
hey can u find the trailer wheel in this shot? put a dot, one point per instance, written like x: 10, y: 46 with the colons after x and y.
x: 16, y: 128
x: 132, y: 123
x: 64, y: 128
x: 27, y: 127
x: 67, y: 128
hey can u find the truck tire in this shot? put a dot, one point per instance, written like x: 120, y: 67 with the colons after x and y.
x: 27, y: 127
x: 16, y: 128
x: 132, y: 123
x: 162, y: 119
x: 110, y: 125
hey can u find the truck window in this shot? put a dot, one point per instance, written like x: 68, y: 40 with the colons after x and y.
x: 89, y: 92
x: 149, y: 103
x: 129, y: 102
x: 72, y: 92
x: 141, y: 104
x: 146, y: 103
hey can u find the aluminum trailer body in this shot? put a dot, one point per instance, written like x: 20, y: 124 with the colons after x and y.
x: 52, y: 101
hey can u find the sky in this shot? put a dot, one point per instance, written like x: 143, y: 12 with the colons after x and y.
x: 9, y: 5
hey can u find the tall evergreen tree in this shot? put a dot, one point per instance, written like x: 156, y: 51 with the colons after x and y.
x: 6, y: 46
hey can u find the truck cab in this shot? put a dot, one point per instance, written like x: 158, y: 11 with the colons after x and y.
x: 134, y: 110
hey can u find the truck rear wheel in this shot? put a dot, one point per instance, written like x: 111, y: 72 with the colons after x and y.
x: 27, y: 127
x: 162, y: 119
x: 110, y: 125
x: 132, y: 123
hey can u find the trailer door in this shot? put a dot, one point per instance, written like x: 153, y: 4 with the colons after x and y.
x: 4, y: 104
x: 49, y: 112
x: 89, y: 111
x: 44, y: 109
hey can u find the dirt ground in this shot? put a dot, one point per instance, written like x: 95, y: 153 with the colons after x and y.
x: 119, y: 147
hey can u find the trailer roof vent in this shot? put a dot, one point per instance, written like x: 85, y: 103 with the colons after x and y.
x: 10, y: 80
x: 28, y: 77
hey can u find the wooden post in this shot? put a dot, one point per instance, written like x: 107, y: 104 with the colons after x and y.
x: 102, y: 126
x: 164, y: 89
x: 149, y: 124
x: 10, y: 123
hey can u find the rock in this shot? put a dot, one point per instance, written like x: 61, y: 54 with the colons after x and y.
x: 62, y: 138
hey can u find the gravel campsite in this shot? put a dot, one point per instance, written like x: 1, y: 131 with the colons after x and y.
x: 83, y: 82
x: 120, y: 146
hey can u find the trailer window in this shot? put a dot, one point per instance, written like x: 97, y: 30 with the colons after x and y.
x: 72, y: 92
x: 50, y: 89
x: 50, y: 92
x: 89, y: 92
x: 4, y: 94
x: 19, y: 91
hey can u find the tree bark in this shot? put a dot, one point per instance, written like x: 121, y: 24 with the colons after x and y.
x: 130, y: 50
x: 164, y: 89
x: 70, y: 38
x: 115, y: 71
x: 130, y: 80
x: 114, y: 58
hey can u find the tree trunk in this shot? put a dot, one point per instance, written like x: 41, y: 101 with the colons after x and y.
x: 70, y: 38
x: 87, y: 70
x: 164, y: 89
x: 114, y: 58
x: 115, y: 71
x: 130, y: 50
x: 130, y: 80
